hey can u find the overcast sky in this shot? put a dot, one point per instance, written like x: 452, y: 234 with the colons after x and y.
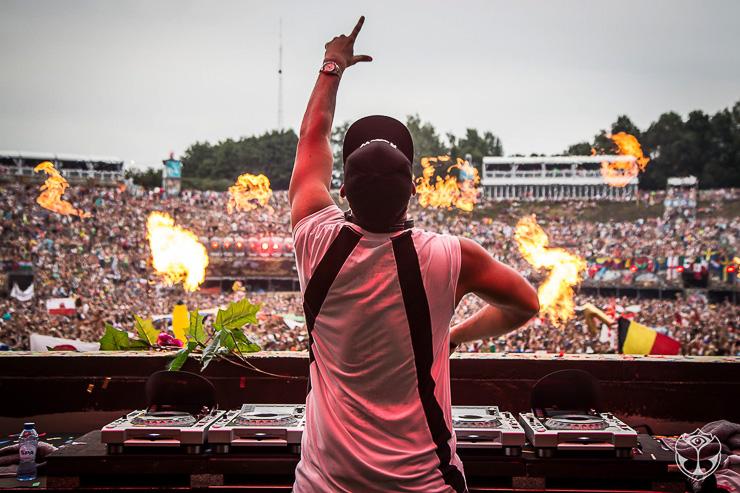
x: 136, y: 79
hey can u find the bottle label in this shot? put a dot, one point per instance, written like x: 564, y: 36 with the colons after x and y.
x: 27, y: 452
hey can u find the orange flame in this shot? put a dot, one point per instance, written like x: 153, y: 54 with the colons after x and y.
x: 620, y: 173
x: 249, y: 192
x: 52, y: 190
x: 447, y: 192
x: 556, y: 293
x: 176, y: 252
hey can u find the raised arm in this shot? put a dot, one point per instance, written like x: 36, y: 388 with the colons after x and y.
x: 512, y: 301
x: 309, y: 185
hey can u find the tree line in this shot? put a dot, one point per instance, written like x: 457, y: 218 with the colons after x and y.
x: 702, y: 145
x: 706, y: 146
x: 215, y: 166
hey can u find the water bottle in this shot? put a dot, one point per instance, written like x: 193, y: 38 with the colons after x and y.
x: 27, y: 443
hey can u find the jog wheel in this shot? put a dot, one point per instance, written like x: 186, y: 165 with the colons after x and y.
x: 545, y: 452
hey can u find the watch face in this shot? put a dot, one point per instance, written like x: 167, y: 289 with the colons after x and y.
x: 330, y: 66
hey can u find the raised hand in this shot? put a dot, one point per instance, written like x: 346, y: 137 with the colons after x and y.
x: 341, y: 48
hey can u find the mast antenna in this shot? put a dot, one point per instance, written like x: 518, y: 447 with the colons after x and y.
x: 280, y: 77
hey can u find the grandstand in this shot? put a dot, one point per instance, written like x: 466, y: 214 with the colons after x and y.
x: 550, y: 178
x: 73, y: 167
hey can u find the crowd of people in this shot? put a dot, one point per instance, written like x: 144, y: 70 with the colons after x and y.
x: 648, y: 251
x: 104, y: 263
x: 702, y: 328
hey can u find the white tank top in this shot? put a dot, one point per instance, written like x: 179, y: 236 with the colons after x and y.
x: 378, y: 412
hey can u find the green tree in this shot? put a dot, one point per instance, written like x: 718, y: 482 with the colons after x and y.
x: 271, y: 153
x: 705, y: 146
x: 476, y: 145
x: 337, y: 139
x: 148, y: 178
x: 427, y: 141
x: 579, y: 149
x: 603, y: 143
x: 697, y: 149
x: 662, y: 141
x: 722, y: 168
x: 624, y: 124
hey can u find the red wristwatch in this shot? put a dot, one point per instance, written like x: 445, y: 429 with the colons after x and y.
x: 330, y: 67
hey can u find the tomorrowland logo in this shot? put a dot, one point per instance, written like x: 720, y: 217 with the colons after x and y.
x: 698, y: 454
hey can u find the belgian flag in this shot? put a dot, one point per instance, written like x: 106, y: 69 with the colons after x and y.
x: 636, y: 338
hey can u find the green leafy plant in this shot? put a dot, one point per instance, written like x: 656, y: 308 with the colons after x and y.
x: 146, y: 331
x: 118, y: 340
x: 227, y: 341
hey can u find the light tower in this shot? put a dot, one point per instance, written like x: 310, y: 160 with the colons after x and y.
x: 280, y: 77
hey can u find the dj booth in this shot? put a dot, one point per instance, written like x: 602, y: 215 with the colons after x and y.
x: 81, y: 393
x: 88, y: 465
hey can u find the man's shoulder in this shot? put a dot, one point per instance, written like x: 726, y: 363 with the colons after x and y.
x: 328, y: 216
x: 425, y: 236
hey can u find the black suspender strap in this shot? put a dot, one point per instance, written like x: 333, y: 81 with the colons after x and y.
x: 322, y: 279
x: 420, y: 326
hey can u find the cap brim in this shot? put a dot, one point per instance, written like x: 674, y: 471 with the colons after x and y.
x: 378, y: 127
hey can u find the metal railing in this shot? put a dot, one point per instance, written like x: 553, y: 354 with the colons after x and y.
x: 566, y: 173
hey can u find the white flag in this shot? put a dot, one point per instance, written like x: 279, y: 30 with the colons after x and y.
x: 20, y: 294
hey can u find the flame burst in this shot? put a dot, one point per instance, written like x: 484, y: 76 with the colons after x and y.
x: 556, y: 293
x: 447, y: 192
x: 176, y: 252
x: 52, y: 190
x: 249, y: 192
x: 620, y: 173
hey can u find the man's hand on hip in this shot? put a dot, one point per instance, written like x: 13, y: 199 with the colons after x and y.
x: 341, y: 49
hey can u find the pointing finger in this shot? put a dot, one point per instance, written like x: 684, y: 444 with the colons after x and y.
x: 358, y: 26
